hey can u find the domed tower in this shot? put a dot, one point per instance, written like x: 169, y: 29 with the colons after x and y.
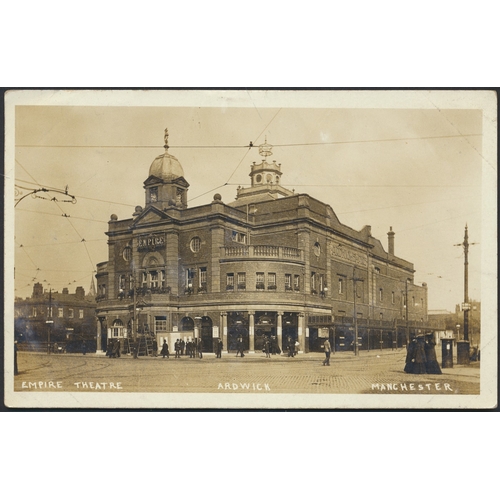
x: 166, y: 187
x: 265, y: 181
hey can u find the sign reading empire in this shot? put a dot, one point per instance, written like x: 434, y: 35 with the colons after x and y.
x: 348, y: 255
x: 151, y: 242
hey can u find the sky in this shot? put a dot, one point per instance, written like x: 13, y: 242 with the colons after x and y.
x: 417, y: 162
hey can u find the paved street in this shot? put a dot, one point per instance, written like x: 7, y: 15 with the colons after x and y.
x: 375, y: 372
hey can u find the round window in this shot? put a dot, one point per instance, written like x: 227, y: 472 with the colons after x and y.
x: 127, y: 253
x: 195, y: 244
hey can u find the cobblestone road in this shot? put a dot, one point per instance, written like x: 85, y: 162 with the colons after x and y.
x: 369, y: 373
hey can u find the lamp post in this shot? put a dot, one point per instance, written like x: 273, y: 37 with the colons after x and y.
x: 50, y: 321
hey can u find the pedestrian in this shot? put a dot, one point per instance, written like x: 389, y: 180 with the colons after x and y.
x: 273, y: 344
x: 183, y: 345
x: 109, y: 348
x: 239, y: 347
x: 164, y: 349
x: 16, y: 371
x: 291, y: 347
x: 218, y: 348
x: 410, y: 355
x: 155, y: 348
x: 84, y: 348
x: 189, y: 348
x: 415, y: 358
x: 200, y: 348
x: 267, y: 347
x: 328, y: 350
x: 431, y: 363
x: 118, y: 348
x: 177, y: 348
x: 115, y: 353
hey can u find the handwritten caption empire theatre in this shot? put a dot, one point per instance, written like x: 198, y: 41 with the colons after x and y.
x: 96, y: 386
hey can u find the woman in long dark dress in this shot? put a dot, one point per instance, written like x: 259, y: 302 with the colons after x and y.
x: 410, y: 354
x: 431, y: 363
x: 419, y: 356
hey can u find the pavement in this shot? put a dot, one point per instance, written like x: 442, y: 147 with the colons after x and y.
x: 370, y: 372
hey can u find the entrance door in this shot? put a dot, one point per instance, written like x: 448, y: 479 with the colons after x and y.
x: 237, y: 326
x: 206, y: 334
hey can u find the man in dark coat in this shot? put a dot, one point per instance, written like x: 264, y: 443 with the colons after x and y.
x: 164, y: 349
x: 218, y: 349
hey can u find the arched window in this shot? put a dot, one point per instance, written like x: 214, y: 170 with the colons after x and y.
x: 117, y: 328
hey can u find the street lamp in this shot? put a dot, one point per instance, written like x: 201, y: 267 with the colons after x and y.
x: 458, y: 332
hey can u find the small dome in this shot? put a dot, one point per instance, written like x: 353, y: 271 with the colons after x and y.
x: 166, y: 167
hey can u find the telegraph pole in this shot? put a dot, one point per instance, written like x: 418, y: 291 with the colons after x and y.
x: 464, y: 354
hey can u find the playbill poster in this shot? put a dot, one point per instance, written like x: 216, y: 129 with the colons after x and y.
x: 250, y: 249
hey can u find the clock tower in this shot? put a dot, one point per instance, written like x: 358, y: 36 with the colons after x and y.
x: 265, y: 181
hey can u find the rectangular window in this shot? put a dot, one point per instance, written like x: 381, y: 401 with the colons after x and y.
x: 313, y: 283
x: 271, y: 281
x: 321, y: 282
x: 49, y: 312
x: 190, y: 276
x: 121, y: 282
x: 242, y: 281
x: 162, y: 279
x: 160, y: 324
x: 230, y: 281
x: 80, y: 313
x: 154, y: 279
x: 288, y: 281
x: 296, y: 282
x: 238, y: 237
x: 341, y: 286
x: 393, y: 297
x: 103, y: 290
x: 71, y: 314
x: 144, y: 279
x: 203, y: 279
x: 33, y: 312
x: 380, y: 295
x: 259, y: 281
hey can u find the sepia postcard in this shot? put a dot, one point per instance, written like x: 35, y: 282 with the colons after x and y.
x: 250, y: 249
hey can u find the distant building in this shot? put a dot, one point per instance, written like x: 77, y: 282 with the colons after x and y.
x: 454, y: 321
x: 67, y: 318
x: 270, y: 264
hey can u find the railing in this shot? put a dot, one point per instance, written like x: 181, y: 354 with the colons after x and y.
x: 264, y: 251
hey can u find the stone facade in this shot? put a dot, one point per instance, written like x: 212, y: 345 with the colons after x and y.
x: 272, y: 263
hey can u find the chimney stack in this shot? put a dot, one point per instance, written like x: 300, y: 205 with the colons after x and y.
x: 390, y: 235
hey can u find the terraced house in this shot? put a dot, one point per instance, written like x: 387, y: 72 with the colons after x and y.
x: 270, y: 263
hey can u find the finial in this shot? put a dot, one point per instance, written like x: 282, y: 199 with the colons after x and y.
x: 265, y: 149
x: 166, y: 139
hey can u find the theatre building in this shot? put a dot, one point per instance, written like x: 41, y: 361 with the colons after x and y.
x: 270, y: 263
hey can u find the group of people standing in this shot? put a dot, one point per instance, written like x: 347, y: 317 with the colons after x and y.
x: 113, y: 350
x: 421, y: 356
